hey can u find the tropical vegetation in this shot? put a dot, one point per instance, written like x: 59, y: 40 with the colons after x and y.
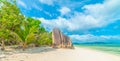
x: 17, y: 29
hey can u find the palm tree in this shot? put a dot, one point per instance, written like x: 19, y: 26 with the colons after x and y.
x: 3, y: 37
x: 27, y: 31
x: 13, y: 23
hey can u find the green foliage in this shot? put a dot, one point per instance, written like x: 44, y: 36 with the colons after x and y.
x: 44, y: 39
x: 10, y: 18
x: 14, y: 26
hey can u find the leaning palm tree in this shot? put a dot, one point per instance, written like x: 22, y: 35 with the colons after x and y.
x: 27, y: 31
x: 23, y: 37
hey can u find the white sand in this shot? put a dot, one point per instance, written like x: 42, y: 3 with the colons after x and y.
x: 50, y: 54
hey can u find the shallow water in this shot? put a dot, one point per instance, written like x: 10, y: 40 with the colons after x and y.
x: 110, y: 48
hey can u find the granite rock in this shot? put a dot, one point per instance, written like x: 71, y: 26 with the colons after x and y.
x: 60, y: 40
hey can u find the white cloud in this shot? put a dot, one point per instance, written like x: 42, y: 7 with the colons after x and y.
x: 21, y: 3
x: 49, y: 2
x: 60, y: 22
x: 93, y: 38
x: 64, y: 10
x: 94, y: 16
x: 107, y: 12
x: 75, y: 23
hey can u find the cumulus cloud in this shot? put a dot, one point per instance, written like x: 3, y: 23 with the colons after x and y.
x: 94, y: 16
x: 64, y: 10
x: 93, y: 38
x: 70, y: 24
x: 21, y: 3
x: 59, y: 22
x: 106, y: 12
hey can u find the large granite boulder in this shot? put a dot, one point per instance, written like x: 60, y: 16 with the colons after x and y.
x: 60, y: 40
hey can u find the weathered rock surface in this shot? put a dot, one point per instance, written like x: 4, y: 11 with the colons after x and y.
x: 60, y: 40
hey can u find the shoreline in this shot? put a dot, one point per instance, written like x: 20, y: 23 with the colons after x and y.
x: 98, y: 49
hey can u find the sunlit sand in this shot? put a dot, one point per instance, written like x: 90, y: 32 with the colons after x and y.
x: 51, y: 54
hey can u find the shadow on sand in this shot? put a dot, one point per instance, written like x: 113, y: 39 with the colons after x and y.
x: 31, y: 50
x: 37, y: 50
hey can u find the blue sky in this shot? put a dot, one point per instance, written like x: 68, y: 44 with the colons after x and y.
x: 82, y: 20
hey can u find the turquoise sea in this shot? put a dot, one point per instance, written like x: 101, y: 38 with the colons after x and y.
x: 108, y: 48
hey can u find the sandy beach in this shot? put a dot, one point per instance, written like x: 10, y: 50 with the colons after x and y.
x: 51, y: 54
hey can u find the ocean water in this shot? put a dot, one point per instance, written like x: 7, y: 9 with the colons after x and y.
x: 108, y: 48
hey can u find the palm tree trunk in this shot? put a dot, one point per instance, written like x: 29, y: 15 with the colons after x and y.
x: 24, y: 46
x: 2, y: 45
